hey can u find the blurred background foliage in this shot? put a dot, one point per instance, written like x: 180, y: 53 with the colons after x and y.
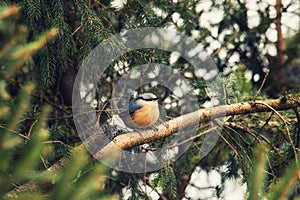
x: 43, y: 44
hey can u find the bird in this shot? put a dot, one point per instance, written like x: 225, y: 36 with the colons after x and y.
x: 142, y: 112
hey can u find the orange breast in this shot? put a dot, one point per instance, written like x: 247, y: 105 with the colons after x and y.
x: 142, y: 117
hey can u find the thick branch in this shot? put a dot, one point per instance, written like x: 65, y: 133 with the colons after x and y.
x: 202, y: 115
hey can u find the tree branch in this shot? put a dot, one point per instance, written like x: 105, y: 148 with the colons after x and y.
x: 166, y: 129
x: 280, y: 41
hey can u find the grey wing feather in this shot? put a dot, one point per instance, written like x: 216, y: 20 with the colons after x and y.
x: 133, y: 106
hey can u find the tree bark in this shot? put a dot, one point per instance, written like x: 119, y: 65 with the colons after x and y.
x: 166, y: 129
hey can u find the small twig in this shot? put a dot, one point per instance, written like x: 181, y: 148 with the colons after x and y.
x: 275, y: 111
x: 13, y: 131
x: 162, y: 197
x: 272, y: 173
x: 266, y: 122
x: 255, y: 134
x: 226, y: 43
x: 30, y: 129
x: 43, y: 161
x: 193, y: 137
x: 285, y: 125
x: 232, y: 127
x: 297, y: 127
x: 52, y: 104
x: 57, y: 141
x: 77, y: 29
x: 228, y: 143
x: 261, y: 85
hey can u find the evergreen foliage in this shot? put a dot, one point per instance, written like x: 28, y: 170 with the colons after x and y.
x: 42, y: 44
x: 24, y: 155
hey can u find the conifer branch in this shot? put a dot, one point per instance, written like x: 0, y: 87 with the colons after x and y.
x: 166, y: 129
